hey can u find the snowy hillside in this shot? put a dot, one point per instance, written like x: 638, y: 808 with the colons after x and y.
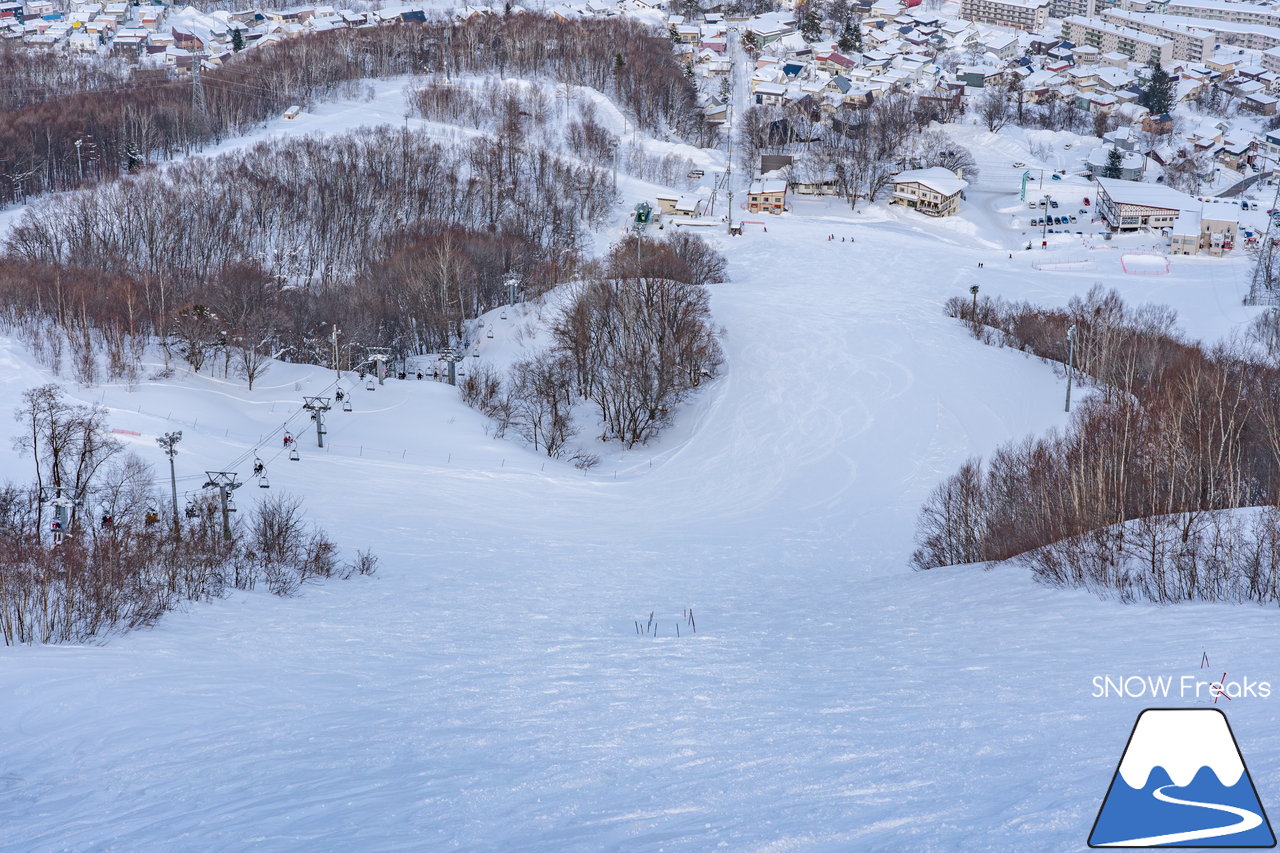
x: 487, y: 689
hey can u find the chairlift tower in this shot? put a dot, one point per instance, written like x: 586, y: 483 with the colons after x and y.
x: 317, y: 406
x: 379, y: 355
x: 452, y: 359
x: 225, y: 482
x: 62, y: 506
x: 512, y: 281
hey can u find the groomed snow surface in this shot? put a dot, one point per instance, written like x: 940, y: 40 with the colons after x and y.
x: 486, y: 690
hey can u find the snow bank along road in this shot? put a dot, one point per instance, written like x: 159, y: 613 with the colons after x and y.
x: 487, y: 690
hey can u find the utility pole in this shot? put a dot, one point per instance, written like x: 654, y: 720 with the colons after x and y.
x: 973, y: 314
x: 79, y: 162
x: 513, y: 287
x: 169, y: 444
x: 225, y: 482
x: 728, y: 169
x: 1071, y: 360
x: 336, y: 368
x: 317, y: 406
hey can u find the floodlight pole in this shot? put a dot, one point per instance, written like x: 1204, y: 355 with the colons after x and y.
x: 169, y: 444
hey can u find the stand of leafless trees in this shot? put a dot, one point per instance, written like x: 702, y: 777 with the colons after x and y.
x: 143, y: 120
x: 1133, y: 495
x: 230, y: 279
x: 634, y: 341
x: 118, y: 565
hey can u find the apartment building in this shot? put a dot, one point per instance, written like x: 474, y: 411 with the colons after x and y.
x: 1217, y: 10
x: 1067, y: 8
x: 1190, y: 42
x: 1108, y: 37
x: 1019, y: 14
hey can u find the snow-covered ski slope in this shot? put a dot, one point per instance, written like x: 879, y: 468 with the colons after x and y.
x: 487, y: 691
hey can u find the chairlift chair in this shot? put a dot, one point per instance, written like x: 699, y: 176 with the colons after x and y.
x: 293, y: 455
x: 151, y: 516
x: 490, y: 335
x: 192, y: 511
x: 346, y: 405
x: 369, y: 385
x: 262, y: 482
x: 503, y: 315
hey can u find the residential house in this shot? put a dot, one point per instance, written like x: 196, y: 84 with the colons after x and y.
x: 767, y: 195
x: 1132, y: 163
x: 933, y: 192
x: 770, y: 94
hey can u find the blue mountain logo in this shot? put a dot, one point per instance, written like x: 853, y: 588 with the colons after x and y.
x: 1182, y: 782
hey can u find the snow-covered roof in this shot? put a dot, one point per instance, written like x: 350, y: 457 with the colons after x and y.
x: 758, y: 187
x: 1146, y: 195
x: 1187, y: 224
x: 936, y: 178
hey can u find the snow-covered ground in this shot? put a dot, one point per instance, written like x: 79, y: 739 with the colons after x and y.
x: 487, y: 690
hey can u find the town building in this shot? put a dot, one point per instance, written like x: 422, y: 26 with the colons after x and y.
x: 1210, y: 231
x: 933, y: 192
x: 1128, y: 206
x: 1109, y: 37
x: 770, y: 195
x: 1029, y: 15
x: 1190, y: 42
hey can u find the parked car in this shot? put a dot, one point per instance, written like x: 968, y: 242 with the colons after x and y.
x: 1086, y: 201
x: 1244, y: 205
x: 1019, y: 165
x: 1071, y: 218
x: 1066, y: 146
x: 1053, y: 203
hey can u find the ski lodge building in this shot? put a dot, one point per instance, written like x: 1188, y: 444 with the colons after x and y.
x: 1128, y: 205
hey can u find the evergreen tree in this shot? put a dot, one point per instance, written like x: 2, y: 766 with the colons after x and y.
x: 237, y: 40
x: 810, y: 24
x: 1114, y: 161
x: 1157, y: 94
x: 850, y: 40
